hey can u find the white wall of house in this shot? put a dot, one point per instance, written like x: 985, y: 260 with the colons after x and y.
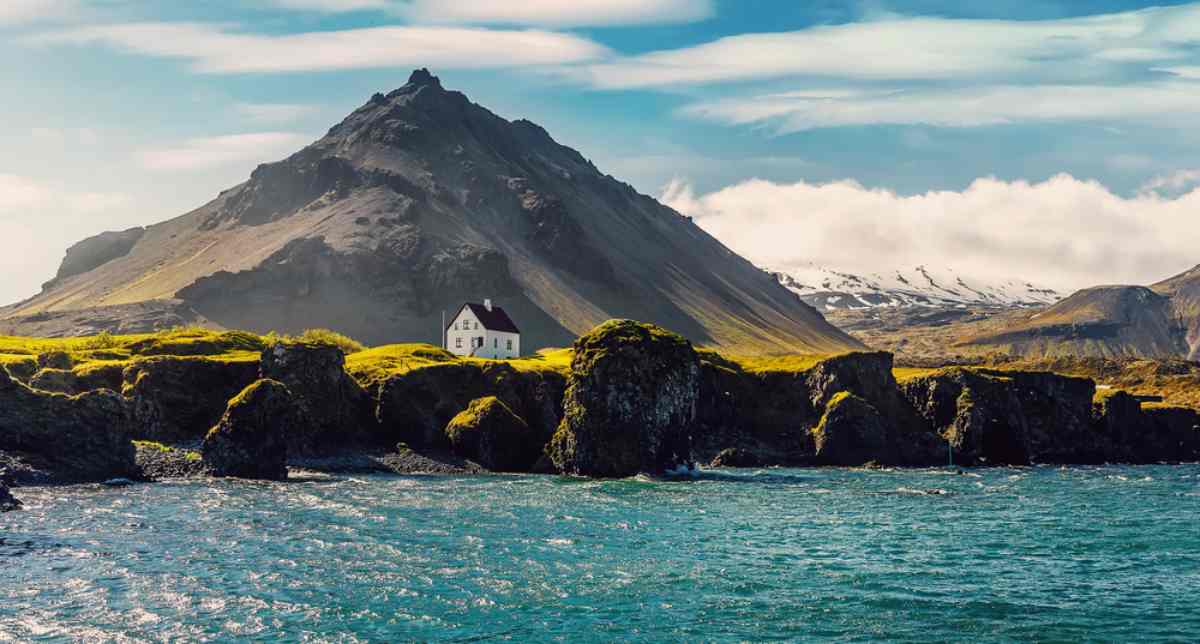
x: 467, y: 337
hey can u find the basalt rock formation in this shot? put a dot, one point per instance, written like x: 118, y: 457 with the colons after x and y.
x: 489, y: 433
x: 250, y: 441
x: 337, y: 410
x: 75, y: 438
x: 416, y: 202
x: 179, y: 398
x: 630, y: 404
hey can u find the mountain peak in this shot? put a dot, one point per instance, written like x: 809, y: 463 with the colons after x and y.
x: 422, y: 77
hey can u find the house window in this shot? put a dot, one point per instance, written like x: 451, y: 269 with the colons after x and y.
x: 457, y: 343
x: 495, y: 342
x: 509, y: 344
x: 456, y: 326
x: 477, y: 328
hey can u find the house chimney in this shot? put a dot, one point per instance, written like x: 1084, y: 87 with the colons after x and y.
x: 487, y: 304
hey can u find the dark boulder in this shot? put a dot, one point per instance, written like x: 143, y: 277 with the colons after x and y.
x: 250, y: 441
x: 8, y: 502
x: 55, y: 360
x: 339, y: 412
x: 630, y: 402
x: 735, y: 457
x: 489, y: 433
x: 1177, y: 432
x: 74, y: 438
x: 851, y: 432
x: 179, y: 398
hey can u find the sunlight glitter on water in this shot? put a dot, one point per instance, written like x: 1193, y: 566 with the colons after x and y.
x: 994, y: 554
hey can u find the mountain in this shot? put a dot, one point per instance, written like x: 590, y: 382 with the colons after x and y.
x: 417, y: 201
x: 831, y: 290
x: 1159, y: 321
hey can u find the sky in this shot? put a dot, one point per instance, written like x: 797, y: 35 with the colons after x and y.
x: 1047, y: 140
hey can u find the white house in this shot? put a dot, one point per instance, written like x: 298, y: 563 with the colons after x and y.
x: 484, y: 331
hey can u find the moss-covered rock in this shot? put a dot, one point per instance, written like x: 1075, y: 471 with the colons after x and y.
x: 80, y: 378
x: 8, y: 502
x: 851, y: 432
x: 415, y: 406
x: 175, y: 398
x: 630, y: 402
x: 55, y: 360
x: 489, y: 433
x: 74, y: 438
x: 339, y: 411
x: 250, y: 441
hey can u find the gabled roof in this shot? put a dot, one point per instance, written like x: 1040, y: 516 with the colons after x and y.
x: 494, y: 320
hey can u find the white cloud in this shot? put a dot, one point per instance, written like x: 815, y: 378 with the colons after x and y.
x: 274, y: 112
x: 959, y: 107
x: 1173, y: 184
x: 221, y: 50
x: 22, y: 11
x: 210, y: 152
x: 1063, y: 231
x: 918, y: 48
x: 557, y: 13
x: 22, y: 196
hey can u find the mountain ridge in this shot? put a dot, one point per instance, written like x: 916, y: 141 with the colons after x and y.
x: 419, y: 200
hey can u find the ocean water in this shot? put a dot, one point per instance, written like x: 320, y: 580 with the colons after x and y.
x: 1037, y: 554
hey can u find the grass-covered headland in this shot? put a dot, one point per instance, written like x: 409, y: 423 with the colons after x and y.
x: 627, y: 398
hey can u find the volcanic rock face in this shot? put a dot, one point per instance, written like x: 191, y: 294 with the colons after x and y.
x: 179, y: 398
x: 630, y: 402
x: 94, y: 252
x: 250, y: 441
x: 850, y: 433
x: 81, y: 438
x: 337, y: 411
x: 489, y: 433
x: 417, y: 201
x: 8, y: 502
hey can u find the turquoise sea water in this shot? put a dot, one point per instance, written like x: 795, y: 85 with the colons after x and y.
x: 1041, y: 554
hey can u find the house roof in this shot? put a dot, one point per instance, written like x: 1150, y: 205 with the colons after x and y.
x: 494, y: 320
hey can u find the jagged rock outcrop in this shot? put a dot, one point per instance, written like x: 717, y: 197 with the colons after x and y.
x: 338, y: 411
x: 735, y: 457
x: 1137, y: 435
x: 489, y: 433
x: 851, y: 432
x: 96, y: 251
x: 79, y: 379
x: 75, y: 438
x: 630, y: 402
x: 1016, y: 418
x: 250, y: 440
x: 415, y: 406
x: 179, y: 398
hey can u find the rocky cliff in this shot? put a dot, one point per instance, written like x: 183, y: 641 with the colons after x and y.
x: 417, y: 201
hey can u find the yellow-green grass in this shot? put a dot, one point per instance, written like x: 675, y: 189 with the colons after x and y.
x: 191, y: 455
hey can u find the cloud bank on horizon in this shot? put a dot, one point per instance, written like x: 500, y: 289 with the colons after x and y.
x: 1062, y: 232
x: 860, y: 135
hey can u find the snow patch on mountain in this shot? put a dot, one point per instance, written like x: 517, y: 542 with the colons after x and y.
x: 828, y: 289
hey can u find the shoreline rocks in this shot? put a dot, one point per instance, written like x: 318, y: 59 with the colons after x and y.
x: 250, y: 441
x: 630, y: 403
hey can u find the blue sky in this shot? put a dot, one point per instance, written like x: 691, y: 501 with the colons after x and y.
x: 123, y: 113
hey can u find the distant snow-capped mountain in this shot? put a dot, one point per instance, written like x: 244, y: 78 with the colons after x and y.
x: 830, y: 290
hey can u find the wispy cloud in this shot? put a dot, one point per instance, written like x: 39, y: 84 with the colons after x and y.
x: 542, y: 13
x: 201, y: 153
x: 221, y: 50
x: 919, y: 48
x: 22, y: 197
x: 956, y: 107
x: 558, y: 13
x: 1063, y: 231
x: 23, y: 11
x: 1172, y: 184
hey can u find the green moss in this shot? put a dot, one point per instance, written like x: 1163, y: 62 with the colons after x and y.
x: 188, y: 454
x: 372, y: 367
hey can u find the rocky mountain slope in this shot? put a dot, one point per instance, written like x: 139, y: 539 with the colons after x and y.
x: 1159, y: 321
x: 417, y: 201
x: 831, y: 290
